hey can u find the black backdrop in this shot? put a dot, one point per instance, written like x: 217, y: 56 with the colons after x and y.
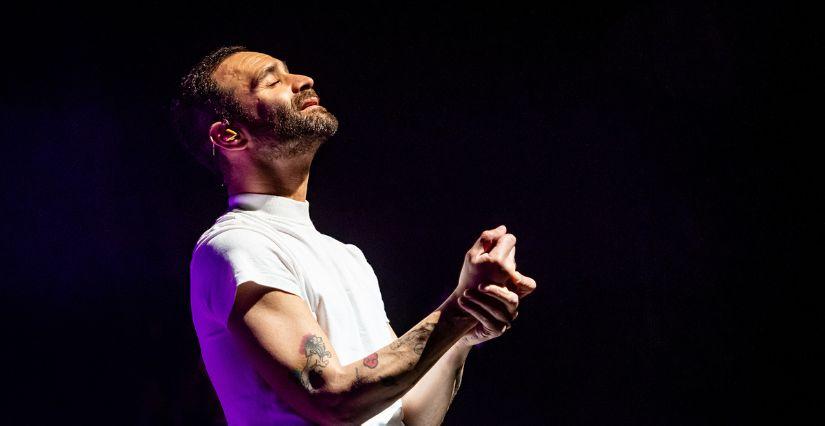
x: 629, y: 147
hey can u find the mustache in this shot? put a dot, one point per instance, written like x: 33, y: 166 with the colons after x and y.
x: 304, y: 95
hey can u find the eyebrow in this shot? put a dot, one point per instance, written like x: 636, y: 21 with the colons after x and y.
x: 266, y: 71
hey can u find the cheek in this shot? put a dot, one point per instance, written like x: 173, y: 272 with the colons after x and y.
x: 274, y: 112
x: 262, y: 111
x: 279, y: 98
x: 281, y: 104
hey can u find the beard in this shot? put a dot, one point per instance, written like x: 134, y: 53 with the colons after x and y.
x: 284, y: 131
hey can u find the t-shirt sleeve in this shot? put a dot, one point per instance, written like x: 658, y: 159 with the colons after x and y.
x: 234, y: 257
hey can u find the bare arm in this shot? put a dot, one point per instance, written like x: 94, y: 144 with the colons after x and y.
x: 428, y: 401
x: 495, y: 307
x: 273, y: 325
x: 293, y: 354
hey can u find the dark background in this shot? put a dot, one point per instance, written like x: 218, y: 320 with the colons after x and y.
x: 645, y: 155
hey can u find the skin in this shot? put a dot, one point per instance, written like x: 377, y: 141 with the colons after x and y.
x: 250, y: 170
x: 276, y: 329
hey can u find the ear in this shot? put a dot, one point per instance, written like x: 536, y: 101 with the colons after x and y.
x: 226, y: 137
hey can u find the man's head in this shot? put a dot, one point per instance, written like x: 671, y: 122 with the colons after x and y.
x: 248, y: 108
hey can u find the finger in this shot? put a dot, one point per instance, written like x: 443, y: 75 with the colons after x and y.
x: 492, y: 325
x: 477, y: 312
x: 503, y: 247
x: 524, y: 285
x: 506, y: 297
x: 513, y: 277
x: 514, y: 282
x: 509, y: 268
x: 487, y: 239
x: 495, y: 307
x: 511, y: 259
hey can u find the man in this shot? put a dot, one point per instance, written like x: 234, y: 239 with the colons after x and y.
x: 290, y: 321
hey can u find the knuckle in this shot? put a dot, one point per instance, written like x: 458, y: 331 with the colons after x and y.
x: 489, y: 260
x: 526, y: 282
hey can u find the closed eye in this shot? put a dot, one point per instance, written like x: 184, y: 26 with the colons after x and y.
x: 275, y: 82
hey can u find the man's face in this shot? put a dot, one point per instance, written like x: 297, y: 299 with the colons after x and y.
x: 281, y: 110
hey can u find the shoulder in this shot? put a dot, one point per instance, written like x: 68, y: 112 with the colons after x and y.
x: 359, y: 257
x: 238, y: 244
x: 352, y: 249
x: 356, y: 251
x: 248, y: 252
x: 235, y: 230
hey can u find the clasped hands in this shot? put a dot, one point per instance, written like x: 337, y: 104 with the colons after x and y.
x: 490, y: 288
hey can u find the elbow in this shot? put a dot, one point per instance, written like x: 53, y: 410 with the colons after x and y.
x: 327, y: 408
x: 334, y: 409
x: 342, y: 401
x: 350, y: 410
x: 330, y: 401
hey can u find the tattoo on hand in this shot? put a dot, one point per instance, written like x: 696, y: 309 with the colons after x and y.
x: 317, y: 358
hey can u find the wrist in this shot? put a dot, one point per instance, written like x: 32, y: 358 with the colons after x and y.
x: 453, y: 313
x: 458, y: 353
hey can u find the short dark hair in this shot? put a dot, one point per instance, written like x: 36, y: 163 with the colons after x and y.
x: 200, y: 102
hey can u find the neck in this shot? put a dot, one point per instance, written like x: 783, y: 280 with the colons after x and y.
x: 282, y: 177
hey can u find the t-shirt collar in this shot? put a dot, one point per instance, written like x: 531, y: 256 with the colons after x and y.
x: 275, y: 205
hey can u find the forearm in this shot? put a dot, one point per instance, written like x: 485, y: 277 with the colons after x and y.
x: 428, y: 401
x: 370, y: 385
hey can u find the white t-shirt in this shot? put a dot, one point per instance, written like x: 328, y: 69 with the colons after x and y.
x: 271, y: 240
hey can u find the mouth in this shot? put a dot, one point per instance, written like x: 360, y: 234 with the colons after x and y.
x: 309, y: 103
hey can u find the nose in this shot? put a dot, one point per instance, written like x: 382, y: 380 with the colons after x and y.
x: 300, y: 82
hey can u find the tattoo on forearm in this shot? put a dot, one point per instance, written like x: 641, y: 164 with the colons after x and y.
x: 371, y: 360
x: 317, y: 358
x: 358, y: 380
x: 417, y: 339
